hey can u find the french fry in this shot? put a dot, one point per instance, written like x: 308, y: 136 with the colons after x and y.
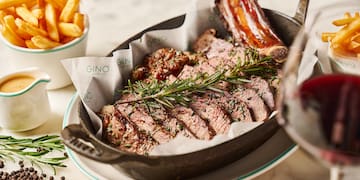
x: 43, y: 42
x: 10, y: 11
x: 12, y: 3
x: 29, y: 28
x: 31, y: 45
x: 347, y: 15
x: 69, y: 10
x: 38, y: 13
x: 2, y: 15
x: 9, y: 21
x: 343, y: 21
x: 41, y: 23
x: 69, y: 29
x: 66, y: 39
x: 26, y: 15
x: 356, y: 37
x: 354, y: 45
x: 327, y: 36
x: 79, y: 20
x: 347, y: 31
x: 58, y: 4
x: 41, y: 4
x: 12, y: 37
x: 51, y: 22
x: 23, y: 34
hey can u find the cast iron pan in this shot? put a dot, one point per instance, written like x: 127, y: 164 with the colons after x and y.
x: 78, y: 137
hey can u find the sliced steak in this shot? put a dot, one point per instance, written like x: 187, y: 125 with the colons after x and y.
x: 197, y: 126
x: 213, y: 113
x: 263, y: 89
x: 138, y: 114
x: 123, y: 134
x: 171, y: 124
x: 237, y: 109
x: 257, y: 106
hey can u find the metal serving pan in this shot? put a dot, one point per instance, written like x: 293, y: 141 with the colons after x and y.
x: 81, y: 137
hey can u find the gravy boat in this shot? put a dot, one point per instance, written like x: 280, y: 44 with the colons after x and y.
x: 26, y: 107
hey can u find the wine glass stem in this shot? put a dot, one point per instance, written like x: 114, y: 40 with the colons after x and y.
x: 336, y: 173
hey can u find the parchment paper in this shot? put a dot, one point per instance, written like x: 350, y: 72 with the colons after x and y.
x: 98, y: 79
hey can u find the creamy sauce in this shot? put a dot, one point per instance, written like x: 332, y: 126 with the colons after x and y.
x: 16, y: 83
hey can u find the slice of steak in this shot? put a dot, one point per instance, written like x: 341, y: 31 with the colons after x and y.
x: 123, y: 134
x: 237, y: 109
x: 263, y: 89
x: 216, y: 117
x: 171, y: 124
x: 138, y: 114
x: 257, y: 106
x: 197, y: 126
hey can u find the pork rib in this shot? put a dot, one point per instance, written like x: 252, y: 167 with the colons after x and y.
x: 246, y: 21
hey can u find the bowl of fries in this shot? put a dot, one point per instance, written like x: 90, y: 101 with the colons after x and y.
x: 39, y: 33
x: 344, y: 43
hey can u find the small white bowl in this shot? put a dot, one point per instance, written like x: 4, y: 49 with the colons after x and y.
x: 48, y: 60
x: 344, y: 63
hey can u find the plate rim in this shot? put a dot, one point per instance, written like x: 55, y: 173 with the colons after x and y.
x: 249, y: 175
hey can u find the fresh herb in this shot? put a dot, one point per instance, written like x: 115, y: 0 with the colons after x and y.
x: 181, y: 90
x: 34, y: 150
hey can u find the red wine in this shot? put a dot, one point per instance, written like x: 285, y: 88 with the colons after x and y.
x: 336, y: 98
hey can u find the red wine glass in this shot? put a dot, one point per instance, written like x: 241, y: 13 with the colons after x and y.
x: 319, y: 99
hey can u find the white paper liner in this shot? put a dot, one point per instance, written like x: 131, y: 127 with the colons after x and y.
x: 98, y: 79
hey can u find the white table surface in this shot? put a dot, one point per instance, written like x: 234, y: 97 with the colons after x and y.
x: 112, y: 22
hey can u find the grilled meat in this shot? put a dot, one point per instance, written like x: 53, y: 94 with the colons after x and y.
x: 138, y: 127
x: 171, y: 124
x: 257, y: 106
x: 237, y: 109
x: 214, y: 114
x: 162, y: 63
x: 138, y: 114
x: 123, y: 134
x: 263, y: 89
x: 192, y: 121
x: 249, y: 26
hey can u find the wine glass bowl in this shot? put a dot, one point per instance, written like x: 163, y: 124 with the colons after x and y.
x: 319, y: 95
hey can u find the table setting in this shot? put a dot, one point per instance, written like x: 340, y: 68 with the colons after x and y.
x: 95, y: 63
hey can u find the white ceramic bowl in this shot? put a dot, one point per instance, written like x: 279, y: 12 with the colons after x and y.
x: 48, y: 60
x: 343, y: 63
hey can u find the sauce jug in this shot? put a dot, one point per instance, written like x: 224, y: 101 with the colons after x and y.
x: 24, y: 102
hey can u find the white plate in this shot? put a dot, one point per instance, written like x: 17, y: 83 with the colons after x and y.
x: 268, y: 155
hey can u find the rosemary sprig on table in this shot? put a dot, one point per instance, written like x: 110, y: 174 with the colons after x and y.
x: 33, y: 150
x: 180, y: 91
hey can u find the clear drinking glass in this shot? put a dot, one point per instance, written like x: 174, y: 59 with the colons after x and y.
x: 319, y: 99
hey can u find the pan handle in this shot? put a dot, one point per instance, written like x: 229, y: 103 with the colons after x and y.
x: 78, y: 139
x: 301, y: 11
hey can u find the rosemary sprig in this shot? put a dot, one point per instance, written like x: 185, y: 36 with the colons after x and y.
x: 180, y: 91
x: 33, y: 150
